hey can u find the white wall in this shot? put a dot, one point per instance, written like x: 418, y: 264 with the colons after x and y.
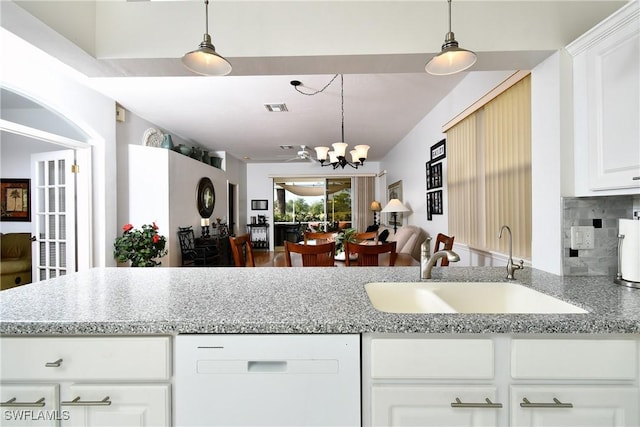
x: 163, y: 187
x: 38, y: 76
x: 551, y: 157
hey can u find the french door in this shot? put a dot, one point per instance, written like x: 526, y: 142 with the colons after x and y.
x: 54, y: 214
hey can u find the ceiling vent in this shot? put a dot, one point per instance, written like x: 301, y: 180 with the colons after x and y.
x: 286, y: 147
x: 276, y: 108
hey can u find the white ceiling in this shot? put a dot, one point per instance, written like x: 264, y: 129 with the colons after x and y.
x: 131, y: 51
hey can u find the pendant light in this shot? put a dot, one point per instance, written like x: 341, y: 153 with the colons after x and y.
x: 338, y: 156
x: 452, y: 59
x: 205, y: 60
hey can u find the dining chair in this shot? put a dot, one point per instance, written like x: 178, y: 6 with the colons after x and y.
x: 368, y: 235
x: 193, y: 255
x: 321, y: 255
x: 242, y: 250
x: 320, y: 237
x: 447, y: 242
x: 368, y: 254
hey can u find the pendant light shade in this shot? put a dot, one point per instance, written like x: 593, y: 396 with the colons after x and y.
x: 452, y: 59
x: 205, y: 60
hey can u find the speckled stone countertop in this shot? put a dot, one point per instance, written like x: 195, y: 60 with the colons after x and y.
x: 290, y: 300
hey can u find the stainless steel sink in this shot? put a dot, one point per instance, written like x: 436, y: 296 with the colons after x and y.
x: 463, y: 297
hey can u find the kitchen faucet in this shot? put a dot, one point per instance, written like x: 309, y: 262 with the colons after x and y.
x: 427, y: 261
x: 511, y: 267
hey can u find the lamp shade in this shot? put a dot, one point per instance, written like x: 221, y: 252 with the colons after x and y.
x: 395, y: 205
x: 375, y: 206
x: 321, y: 152
x: 206, y: 61
x: 450, y: 61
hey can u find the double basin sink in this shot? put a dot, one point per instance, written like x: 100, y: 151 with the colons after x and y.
x: 463, y: 297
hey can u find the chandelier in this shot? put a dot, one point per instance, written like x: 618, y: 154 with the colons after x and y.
x: 338, y: 156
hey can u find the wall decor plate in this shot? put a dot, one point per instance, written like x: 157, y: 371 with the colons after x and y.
x: 152, y: 138
x: 205, y: 197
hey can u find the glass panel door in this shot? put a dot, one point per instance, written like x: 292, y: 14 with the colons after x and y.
x: 54, y: 214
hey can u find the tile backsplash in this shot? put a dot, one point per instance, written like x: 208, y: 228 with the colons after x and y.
x: 602, y: 213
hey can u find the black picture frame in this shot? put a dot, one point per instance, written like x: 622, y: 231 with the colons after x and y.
x: 427, y: 167
x: 429, y: 202
x: 436, y: 202
x: 15, y: 199
x: 439, y: 150
x: 434, y: 176
x: 205, y: 197
x: 259, y: 205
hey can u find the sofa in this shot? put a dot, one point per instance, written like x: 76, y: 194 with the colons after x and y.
x: 15, y: 259
x: 408, y: 239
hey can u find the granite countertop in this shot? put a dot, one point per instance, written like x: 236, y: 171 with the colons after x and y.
x: 290, y: 300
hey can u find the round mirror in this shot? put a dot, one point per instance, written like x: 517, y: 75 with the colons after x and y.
x: 206, y: 197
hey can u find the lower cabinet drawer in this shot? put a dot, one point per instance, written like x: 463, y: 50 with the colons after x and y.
x: 552, y: 406
x: 97, y: 358
x: 432, y: 358
x: 435, y: 406
x: 563, y: 359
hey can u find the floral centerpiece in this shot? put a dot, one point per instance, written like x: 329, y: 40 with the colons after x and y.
x: 140, y: 246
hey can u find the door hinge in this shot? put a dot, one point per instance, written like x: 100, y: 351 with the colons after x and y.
x: 75, y: 168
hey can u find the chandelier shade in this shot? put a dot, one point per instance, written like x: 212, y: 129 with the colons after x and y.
x: 452, y: 59
x: 205, y: 60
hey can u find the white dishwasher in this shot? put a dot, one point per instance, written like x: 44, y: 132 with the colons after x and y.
x: 267, y: 380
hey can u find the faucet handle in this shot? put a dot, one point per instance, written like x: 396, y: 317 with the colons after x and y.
x: 520, y: 265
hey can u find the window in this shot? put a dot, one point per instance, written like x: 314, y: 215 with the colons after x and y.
x: 489, y: 173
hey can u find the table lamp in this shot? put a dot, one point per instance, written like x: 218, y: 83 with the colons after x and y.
x: 394, y: 206
x: 375, y: 207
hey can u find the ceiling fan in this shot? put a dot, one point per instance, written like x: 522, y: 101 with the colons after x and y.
x: 303, y: 154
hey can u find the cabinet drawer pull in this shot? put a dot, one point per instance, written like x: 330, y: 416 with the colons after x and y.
x: 78, y: 402
x: 556, y: 404
x: 636, y: 178
x: 12, y: 403
x: 55, y: 364
x: 488, y: 404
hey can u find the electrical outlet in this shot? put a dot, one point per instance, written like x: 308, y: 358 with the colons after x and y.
x: 582, y: 237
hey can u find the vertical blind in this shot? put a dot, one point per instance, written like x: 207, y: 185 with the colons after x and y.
x: 489, y: 173
x: 365, y: 193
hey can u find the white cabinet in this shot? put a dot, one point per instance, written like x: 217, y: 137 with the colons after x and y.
x: 85, y: 381
x: 500, y: 380
x: 607, y: 104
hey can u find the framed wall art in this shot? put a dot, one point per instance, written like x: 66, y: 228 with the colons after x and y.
x: 436, y: 202
x: 429, y: 214
x: 438, y: 151
x: 15, y: 201
x: 205, y: 197
x: 434, y: 175
x: 259, y: 205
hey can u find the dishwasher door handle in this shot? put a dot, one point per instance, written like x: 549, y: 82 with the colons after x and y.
x: 266, y: 366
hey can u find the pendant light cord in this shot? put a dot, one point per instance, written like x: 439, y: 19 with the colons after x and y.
x: 342, y: 103
x: 449, y: 1
x: 296, y: 87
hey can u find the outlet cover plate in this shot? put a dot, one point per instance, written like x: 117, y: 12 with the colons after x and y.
x: 582, y: 237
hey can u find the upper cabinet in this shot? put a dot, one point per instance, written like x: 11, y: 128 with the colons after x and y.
x: 606, y: 86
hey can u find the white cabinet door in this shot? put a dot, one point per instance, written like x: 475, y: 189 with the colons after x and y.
x: 29, y: 405
x: 431, y: 406
x: 117, y: 405
x: 607, y: 103
x: 591, y: 406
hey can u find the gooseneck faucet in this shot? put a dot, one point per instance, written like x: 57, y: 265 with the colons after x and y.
x: 427, y: 261
x: 511, y: 267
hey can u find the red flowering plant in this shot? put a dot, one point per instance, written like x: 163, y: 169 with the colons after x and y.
x: 140, y: 246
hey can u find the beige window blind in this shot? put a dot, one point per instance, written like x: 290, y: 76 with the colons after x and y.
x: 489, y: 173
x: 365, y: 194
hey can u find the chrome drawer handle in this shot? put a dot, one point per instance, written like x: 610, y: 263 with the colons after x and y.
x: 636, y: 178
x: 55, y: 364
x: 13, y: 403
x: 556, y: 404
x: 488, y: 404
x: 78, y: 402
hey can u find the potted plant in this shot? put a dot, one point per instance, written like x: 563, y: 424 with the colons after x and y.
x: 140, y: 246
x: 347, y: 235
